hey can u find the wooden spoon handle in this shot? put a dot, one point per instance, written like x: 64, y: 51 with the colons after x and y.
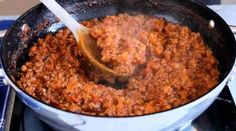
x: 64, y: 16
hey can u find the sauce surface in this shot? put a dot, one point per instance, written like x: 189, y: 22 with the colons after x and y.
x: 170, y: 65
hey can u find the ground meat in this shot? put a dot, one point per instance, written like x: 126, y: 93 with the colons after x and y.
x: 170, y: 66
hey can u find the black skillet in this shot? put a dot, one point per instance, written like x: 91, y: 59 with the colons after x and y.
x: 185, y: 12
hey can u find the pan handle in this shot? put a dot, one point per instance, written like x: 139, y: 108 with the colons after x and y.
x: 233, y: 28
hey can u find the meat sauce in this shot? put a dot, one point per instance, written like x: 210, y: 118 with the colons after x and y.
x: 169, y: 66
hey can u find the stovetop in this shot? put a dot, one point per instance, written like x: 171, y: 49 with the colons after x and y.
x: 220, y: 116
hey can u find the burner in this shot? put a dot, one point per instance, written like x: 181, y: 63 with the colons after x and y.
x: 30, y: 121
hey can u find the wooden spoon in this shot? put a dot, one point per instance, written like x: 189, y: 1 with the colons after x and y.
x: 87, y: 44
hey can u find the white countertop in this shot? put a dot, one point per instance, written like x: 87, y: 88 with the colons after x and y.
x: 227, y: 12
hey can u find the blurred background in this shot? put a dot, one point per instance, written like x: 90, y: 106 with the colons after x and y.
x: 17, y: 7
